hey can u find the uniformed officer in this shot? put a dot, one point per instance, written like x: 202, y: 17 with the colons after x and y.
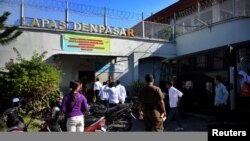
x: 152, y: 105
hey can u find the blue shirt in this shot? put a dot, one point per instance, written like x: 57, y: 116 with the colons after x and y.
x: 221, y: 95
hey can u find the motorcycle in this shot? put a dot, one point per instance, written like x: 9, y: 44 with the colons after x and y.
x: 56, y: 122
x: 135, y: 107
x: 98, y: 118
x: 94, y: 120
x: 13, y: 120
x: 119, y: 118
x: 53, y: 121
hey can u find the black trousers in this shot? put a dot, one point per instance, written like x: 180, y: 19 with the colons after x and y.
x: 174, y: 113
x: 112, y: 105
x: 104, y: 102
x: 221, y: 113
x: 96, y: 99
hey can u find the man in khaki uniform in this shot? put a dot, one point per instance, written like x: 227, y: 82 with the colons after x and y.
x: 152, y: 105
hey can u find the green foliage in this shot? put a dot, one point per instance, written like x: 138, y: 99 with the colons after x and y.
x: 2, y: 126
x: 34, y: 81
x: 167, y: 32
x: 34, y: 126
x: 7, y: 33
x: 137, y: 86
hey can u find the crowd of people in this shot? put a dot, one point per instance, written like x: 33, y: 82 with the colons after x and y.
x: 152, y: 105
x: 75, y: 103
x: 108, y: 93
x: 152, y: 108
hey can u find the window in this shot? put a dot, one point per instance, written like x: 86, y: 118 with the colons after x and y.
x: 201, y: 62
x: 185, y: 65
x: 218, y: 60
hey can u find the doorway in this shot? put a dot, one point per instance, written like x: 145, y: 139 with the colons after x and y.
x: 85, y: 76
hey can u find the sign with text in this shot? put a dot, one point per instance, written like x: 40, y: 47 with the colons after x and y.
x: 74, y: 26
x: 85, y: 43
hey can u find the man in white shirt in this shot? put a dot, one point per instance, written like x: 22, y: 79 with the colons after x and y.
x: 174, y: 99
x: 97, y: 87
x: 113, y: 94
x: 103, y: 96
x: 121, y: 91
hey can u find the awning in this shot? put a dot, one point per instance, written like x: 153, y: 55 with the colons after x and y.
x: 87, y: 54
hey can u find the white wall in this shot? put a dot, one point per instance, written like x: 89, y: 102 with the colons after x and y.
x: 218, y: 35
x: 28, y: 42
x: 130, y: 51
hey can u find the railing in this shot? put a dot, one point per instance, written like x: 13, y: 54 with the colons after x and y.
x: 153, y: 30
x: 56, y: 10
x: 216, y: 12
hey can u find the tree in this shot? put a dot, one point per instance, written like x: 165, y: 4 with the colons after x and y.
x: 7, y: 33
x: 168, y: 32
x: 34, y: 81
x: 137, y: 86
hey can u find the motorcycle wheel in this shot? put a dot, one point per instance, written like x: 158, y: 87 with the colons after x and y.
x: 123, y: 120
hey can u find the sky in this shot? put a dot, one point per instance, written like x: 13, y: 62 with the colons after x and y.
x: 148, y: 7
x: 137, y: 6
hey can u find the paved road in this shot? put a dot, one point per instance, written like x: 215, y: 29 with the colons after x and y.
x: 190, y: 123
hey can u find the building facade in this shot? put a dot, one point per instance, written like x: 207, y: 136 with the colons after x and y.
x: 85, y: 51
x: 196, y: 40
x: 212, y: 38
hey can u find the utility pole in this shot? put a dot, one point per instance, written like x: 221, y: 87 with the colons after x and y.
x: 67, y: 14
x: 21, y: 12
x: 142, y: 21
x: 105, y: 17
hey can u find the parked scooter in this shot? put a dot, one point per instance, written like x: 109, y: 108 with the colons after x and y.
x: 119, y: 118
x: 56, y: 122
x: 135, y: 107
x: 14, y: 122
x: 53, y: 121
x: 94, y: 120
x: 98, y: 118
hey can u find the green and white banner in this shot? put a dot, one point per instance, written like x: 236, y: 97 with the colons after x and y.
x: 84, y: 43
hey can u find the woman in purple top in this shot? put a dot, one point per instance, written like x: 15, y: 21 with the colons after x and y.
x: 74, y: 105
